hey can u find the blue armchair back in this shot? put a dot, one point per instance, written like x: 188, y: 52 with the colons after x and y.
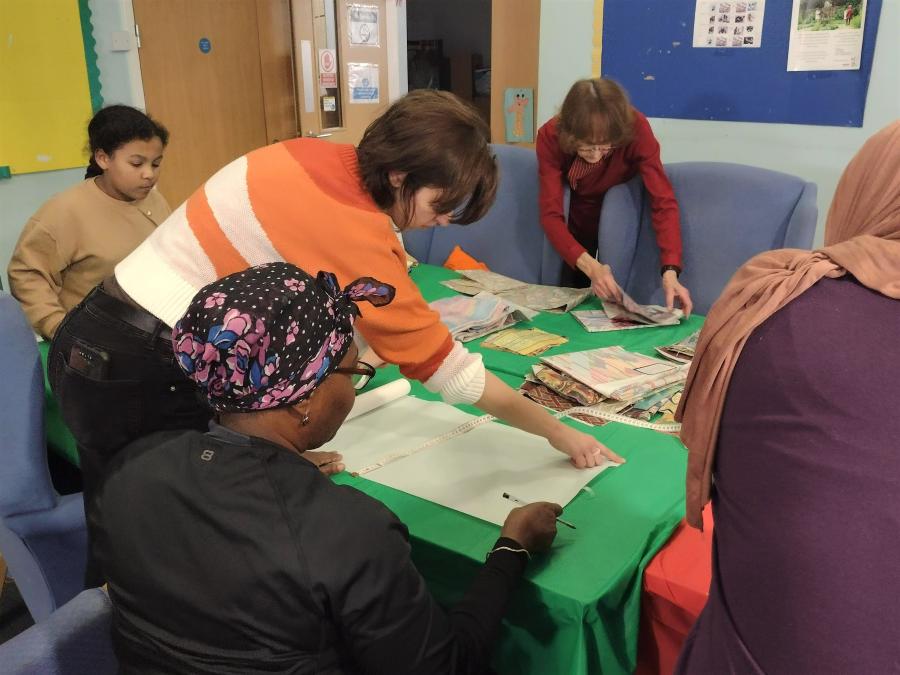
x: 42, y: 534
x: 509, y: 239
x: 729, y: 213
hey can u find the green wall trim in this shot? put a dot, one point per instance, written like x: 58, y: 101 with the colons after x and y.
x: 90, y: 54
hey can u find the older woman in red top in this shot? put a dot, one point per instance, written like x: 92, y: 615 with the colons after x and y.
x: 598, y: 140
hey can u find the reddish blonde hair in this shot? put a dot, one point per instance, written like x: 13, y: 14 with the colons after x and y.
x: 595, y: 111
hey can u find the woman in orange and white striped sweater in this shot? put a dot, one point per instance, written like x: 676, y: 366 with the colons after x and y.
x: 426, y: 161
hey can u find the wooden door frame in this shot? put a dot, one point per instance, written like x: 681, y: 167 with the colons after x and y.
x: 395, y: 24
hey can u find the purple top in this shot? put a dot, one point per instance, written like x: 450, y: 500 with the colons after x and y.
x: 806, y: 549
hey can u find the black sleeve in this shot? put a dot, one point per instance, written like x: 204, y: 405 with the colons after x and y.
x: 389, y: 620
x: 476, y: 618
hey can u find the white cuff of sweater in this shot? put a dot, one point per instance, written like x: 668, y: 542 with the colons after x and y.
x: 460, y: 377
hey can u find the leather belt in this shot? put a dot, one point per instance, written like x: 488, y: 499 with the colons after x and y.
x: 133, y: 315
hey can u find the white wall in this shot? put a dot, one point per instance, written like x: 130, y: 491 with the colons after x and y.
x: 818, y: 154
x: 22, y: 195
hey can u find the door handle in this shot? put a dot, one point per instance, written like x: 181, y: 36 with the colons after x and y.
x: 316, y: 134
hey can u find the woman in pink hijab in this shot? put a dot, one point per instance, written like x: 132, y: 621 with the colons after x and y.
x: 790, y: 416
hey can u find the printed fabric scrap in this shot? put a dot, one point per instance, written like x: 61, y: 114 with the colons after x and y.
x: 524, y: 341
x: 532, y: 296
x: 472, y: 318
x: 617, y: 373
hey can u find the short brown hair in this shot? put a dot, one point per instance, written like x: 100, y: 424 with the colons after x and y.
x: 595, y: 111
x: 438, y: 141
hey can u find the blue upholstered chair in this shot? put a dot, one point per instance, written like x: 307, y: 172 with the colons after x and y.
x: 42, y: 534
x: 74, y: 640
x: 729, y: 213
x: 509, y: 238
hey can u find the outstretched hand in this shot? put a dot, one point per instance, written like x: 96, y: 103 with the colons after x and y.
x: 584, y: 451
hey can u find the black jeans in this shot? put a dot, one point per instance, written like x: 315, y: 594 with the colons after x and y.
x: 141, y: 389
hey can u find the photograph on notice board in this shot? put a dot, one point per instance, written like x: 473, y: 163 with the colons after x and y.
x: 730, y: 22
x: 826, y: 35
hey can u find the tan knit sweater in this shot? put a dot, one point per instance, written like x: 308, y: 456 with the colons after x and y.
x: 71, y: 244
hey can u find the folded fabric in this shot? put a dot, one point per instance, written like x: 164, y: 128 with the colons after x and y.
x: 566, y: 386
x: 683, y: 350
x: 460, y: 260
x: 597, y: 321
x: 616, y: 373
x: 630, y: 310
x: 472, y: 318
x: 652, y: 403
x: 525, y: 341
x: 533, y: 296
x: 543, y: 395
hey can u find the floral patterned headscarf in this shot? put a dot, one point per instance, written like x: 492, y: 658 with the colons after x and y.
x: 266, y: 337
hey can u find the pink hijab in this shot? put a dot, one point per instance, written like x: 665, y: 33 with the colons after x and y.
x: 862, y: 237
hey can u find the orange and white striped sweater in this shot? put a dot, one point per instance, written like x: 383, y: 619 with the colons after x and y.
x: 299, y: 201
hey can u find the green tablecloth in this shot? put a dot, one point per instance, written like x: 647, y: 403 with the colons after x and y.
x: 577, y: 610
x: 59, y: 438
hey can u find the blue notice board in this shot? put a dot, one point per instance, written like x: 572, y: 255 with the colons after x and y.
x: 647, y: 48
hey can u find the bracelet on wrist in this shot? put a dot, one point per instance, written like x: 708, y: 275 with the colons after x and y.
x: 507, y: 548
x: 666, y: 268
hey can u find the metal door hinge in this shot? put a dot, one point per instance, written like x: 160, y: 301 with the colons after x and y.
x: 137, y: 35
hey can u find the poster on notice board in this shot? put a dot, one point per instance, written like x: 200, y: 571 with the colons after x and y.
x: 826, y: 35
x: 727, y: 24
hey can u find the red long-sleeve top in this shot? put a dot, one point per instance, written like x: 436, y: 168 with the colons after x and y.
x: 580, y: 233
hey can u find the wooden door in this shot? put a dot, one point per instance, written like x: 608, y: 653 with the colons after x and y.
x: 356, y: 36
x: 218, y: 75
x: 515, y: 43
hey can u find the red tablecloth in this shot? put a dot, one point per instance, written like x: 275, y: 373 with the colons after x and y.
x: 676, y: 585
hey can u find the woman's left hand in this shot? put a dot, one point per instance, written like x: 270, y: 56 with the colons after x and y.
x: 673, y: 289
x: 329, y: 463
x: 584, y: 451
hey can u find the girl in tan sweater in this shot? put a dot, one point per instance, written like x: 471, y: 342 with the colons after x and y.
x: 78, y: 236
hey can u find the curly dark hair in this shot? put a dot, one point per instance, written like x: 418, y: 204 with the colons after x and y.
x: 114, y: 126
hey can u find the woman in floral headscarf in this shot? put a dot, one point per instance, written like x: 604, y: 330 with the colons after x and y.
x: 794, y: 393
x: 229, y: 552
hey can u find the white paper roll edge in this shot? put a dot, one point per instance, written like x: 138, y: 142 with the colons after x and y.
x: 376, y: 398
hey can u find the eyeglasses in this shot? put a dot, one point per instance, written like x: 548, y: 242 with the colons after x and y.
x: 602, y: 149
x: 360, y: 374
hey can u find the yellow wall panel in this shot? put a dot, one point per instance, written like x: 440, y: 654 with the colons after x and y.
x: 45, y: 96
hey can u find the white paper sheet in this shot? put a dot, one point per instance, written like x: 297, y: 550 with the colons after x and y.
x: 467, y: 473
x: 378, y: 397
x: 728, y: 24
